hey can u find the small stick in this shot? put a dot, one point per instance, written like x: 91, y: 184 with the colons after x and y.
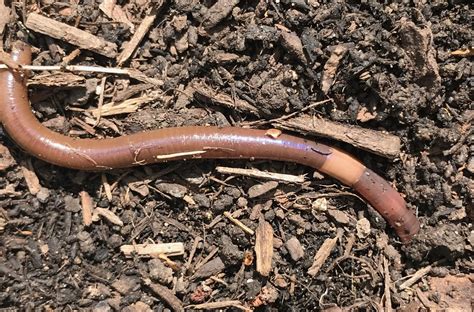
x: 196, y: 242
x: 130, y: 46
x: 388, y: 296
x: 323, y: 253
x: 101, y: 101
x: 133, y: 73
x: 169, y: 249
x: 255, y: 173
x: 218, y: 305
x: 244, y: 228
x: 418, y: 275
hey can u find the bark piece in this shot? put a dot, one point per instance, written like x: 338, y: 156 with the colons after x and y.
x: 210, y: 268
x: 30, y: 176
x: 377, y: 142
x: 261, y: 189
x: 6, y: 158
x: 116, y: 13
x: 330, y: 68
x: 5, y: 16
x: 87, y: 207
x: 166, y: 295
x: 264, y: 247
x: 295, y: 249
x: 70, y: 34
x: 323, y: 253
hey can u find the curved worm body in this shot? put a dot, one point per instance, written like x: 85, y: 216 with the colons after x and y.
x: 187, y: 143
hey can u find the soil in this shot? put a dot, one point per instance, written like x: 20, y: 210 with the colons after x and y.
x: 404, y: 69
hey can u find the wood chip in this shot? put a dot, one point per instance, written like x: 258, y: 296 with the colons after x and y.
x: 126, y: 107
x: 415, y: 278
x: 205, y: 93
x: 57, y: 79
x: 295, y: 249
x: 109, y: 215
x: 130, y: 46
x: 218, y: 305
x: 387, y: 282
x: 169, y: 249
x: 116, y: 13
x: 30, y: 176
x: 339, y: 216
x: 166, y: 295
x: 264, y: 247
x: 377, y: 142
x: 463, y: 52
x: 261, y: 189
x: 5, y: 16
x: 71, y: 35
x: 323, y: 253
x: 210, y: 268
x: 106, y: 186
x: 87, y: 208
x: 330, y: 68
x: 6, y: 158
x: 255, y: 173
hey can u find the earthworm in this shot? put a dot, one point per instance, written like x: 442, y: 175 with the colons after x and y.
x: 182, y: 143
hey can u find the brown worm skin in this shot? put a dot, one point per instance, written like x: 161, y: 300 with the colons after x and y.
x: 188, y: 143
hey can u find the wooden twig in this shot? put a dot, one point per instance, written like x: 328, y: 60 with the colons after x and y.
x: 415, y: 277
x: 169, y: 249
x: 130, y: 46
x: 244, y: 228
x: 255, y: 173
x: 387, y: 281
x: 218, y: 305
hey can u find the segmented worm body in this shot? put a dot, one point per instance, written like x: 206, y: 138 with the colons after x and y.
x: 187, y: 143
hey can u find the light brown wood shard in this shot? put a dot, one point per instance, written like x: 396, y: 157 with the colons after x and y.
x: 86, y: 204
x: 32, y: 181
x: 323, y: 253
x: 130, y: 46
x: 169, y: 249
x: 70, y: 34
x: 264, y: 247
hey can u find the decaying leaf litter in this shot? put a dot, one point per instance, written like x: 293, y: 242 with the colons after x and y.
x: 388, y: 83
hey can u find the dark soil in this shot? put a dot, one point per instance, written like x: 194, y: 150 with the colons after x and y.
x: 270, y: 58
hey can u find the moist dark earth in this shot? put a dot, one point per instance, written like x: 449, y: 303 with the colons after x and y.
x: 403, y: 69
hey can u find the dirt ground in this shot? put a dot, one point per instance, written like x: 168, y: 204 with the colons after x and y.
x: 392, y: 85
